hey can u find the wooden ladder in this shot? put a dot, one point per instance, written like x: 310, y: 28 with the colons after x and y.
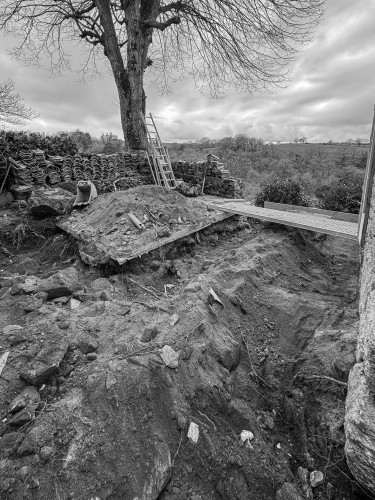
x: 163, y: 168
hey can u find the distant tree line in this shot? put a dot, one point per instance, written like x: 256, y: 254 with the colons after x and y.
x: 242, y: 142
x: 61, y: 143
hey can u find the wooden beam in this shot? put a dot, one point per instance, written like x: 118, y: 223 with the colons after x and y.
x: 310, y: 222
x: 330, y: 214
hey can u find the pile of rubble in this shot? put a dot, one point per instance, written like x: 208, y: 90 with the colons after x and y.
x: 211, y: 174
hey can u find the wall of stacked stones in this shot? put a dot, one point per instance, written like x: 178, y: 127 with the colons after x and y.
x: 217, y: 181
x: 360, y: 401
x: 35, y: 167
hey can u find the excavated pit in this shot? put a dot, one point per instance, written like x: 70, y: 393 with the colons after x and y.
x: 272, y: 357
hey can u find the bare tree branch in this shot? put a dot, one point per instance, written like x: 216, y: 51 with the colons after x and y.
x: 246, y: 45
x: 13, y: 110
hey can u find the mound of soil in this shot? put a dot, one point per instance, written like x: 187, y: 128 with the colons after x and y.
x: 107, y: 233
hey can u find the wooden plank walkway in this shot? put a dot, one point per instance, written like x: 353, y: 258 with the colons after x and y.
x: 310, y: 222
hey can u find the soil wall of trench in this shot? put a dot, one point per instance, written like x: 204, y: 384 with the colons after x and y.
x: 103, y: 379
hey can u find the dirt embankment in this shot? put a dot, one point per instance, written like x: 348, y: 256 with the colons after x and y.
x: 139, y: 384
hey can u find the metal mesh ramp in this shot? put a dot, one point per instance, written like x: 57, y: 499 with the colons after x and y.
x: 317, y: 223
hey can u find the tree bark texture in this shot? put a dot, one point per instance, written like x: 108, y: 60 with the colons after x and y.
x: 129, y: 79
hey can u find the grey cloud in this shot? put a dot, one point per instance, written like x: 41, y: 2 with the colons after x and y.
x: 329, y: 96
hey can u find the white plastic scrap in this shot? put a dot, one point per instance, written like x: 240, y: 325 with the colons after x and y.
x: 193, y: 433
x: 246, y: 437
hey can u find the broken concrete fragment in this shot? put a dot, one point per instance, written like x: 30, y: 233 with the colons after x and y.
x: 29, y: 397
x: 46, y: 362
x: 50, y: 202
x: 169, y: 356
x: 193, y: 433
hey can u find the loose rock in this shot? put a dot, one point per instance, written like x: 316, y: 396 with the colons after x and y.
x: 29, y: 397
x: 193, y: 287
x: 174, y: 319
x: 316, y: 478
x: 169, y: 356
x: 46, y: 362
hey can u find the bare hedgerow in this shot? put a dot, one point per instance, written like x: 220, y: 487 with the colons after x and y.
x: 279, y: 190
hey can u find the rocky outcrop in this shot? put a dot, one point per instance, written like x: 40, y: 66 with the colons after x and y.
x: 360, y: 402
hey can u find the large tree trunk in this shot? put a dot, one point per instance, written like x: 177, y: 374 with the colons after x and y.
x: 139, y: 39
x: 129, y: 80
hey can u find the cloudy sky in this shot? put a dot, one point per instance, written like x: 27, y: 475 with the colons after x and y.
x: 330, y: 96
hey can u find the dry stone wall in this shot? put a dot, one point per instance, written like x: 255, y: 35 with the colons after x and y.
x: 360, y: 402
x: 217, y: 179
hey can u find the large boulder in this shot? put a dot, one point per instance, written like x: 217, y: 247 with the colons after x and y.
x: 50, y: 202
